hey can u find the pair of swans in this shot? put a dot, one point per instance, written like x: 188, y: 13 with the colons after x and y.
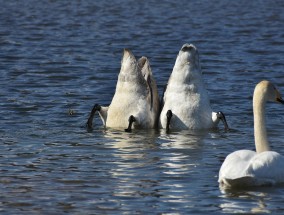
x: 135, y: 104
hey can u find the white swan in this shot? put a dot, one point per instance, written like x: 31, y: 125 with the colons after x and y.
x: 263, y: 167
x: 136, y: 101
x: 186, y: 103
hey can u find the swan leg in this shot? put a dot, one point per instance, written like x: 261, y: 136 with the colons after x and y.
x: 222, y: 117
x: 91, y: 117
x: 130, y: 120
x: 169, y: 116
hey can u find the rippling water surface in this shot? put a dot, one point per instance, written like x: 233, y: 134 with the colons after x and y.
x: 58, y: 58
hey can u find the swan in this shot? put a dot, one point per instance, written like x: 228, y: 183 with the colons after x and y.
x: 263, y: 167
x: 135, y: 103
x: 186, y: 104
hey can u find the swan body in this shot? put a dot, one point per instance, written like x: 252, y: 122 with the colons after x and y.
x: 136, y: 97
x: 185, y: 95
x: 260, y: 167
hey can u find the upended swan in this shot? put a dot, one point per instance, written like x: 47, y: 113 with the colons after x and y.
x: 136, y: 100
x: 263, y: 167
x: 185, y: 101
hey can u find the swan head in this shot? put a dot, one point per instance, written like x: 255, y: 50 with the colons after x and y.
x: 268, y: 91
x: 217, y: 116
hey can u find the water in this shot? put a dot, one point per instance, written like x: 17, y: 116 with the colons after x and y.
x: 58, y: 58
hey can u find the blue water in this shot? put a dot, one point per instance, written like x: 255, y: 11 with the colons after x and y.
x: 59, y: 58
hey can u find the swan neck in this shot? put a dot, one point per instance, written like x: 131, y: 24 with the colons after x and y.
x: 260, y: 134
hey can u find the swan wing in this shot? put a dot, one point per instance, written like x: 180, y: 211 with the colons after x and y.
x: 234, y: 167
x: 267, y: 168
x: 247, y: 168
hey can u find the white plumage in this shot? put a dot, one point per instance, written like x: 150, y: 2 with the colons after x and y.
x: 186, y: 96
x: 263, y: 167
x: 136, y: 95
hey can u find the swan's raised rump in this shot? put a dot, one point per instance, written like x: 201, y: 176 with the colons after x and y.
x: 186, y: 95
x: 132, y: 96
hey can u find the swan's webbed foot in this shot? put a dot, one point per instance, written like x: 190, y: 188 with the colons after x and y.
x: 169, y: 116
x: 130, y: 120
x: 89, y: 123
x: 222, y: 117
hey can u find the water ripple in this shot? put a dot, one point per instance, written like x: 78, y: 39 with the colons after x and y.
x: 59, y: 58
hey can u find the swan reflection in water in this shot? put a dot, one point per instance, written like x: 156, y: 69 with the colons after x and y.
x: 255, y: 199
x: 154, y: 164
